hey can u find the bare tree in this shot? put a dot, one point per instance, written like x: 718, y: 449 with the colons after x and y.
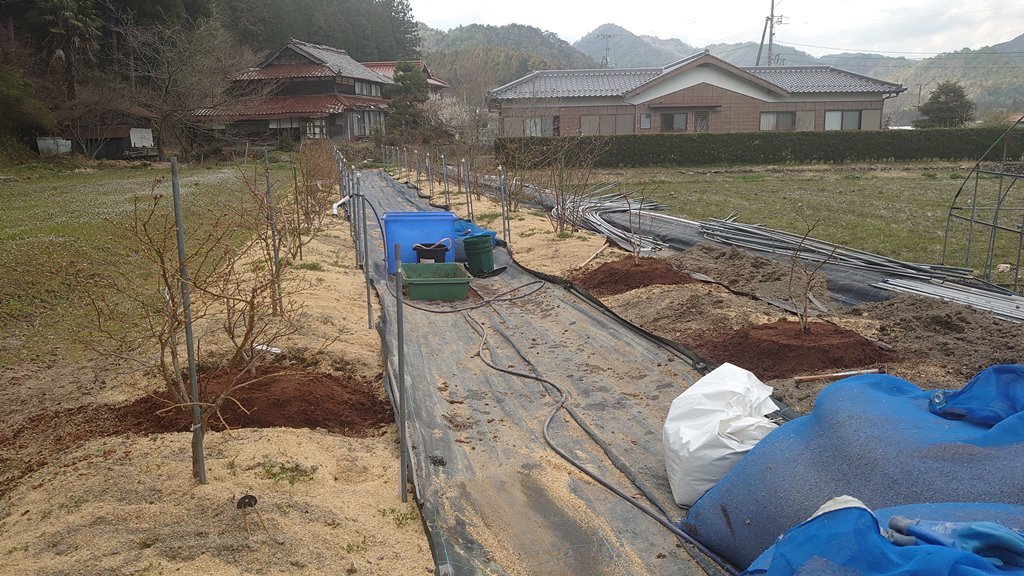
x: 804, y: 277
x: 316, y: 177
x: 570, y: 163
x: 235, y: 291
x: 178, y: 71
x: 637, y: 198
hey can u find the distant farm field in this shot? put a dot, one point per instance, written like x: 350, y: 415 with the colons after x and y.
x: 56, y: 227
x: 900, y: 213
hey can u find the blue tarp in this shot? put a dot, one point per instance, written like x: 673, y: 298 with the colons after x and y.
x: 877, y: 438
x: 848, y: 542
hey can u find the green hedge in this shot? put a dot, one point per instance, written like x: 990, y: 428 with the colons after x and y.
x: 694, y: 149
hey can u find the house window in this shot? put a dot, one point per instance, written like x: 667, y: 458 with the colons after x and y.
x: 316, y: 128
x: 556, y: 126
x: 702, y: 121
x: 774, y: 121
x: 539, y: 126
x: 367, y: 89
x: 842, y: 120
x: 284, y: 124
x: 674, y: 122
x: 645, y: 121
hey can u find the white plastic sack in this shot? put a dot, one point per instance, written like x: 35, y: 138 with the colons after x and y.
x: 711, y: 426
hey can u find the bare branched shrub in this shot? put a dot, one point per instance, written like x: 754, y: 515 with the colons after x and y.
x: 316, y: 188
x: 570, y: 162
x: 236, y: 288
x: 143, y: 283
x: 804, y: 277
x: 636, y: 202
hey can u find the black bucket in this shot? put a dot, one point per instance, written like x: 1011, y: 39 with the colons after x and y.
x: 432, y: 252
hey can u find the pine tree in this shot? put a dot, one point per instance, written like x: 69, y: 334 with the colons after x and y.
x: 947, y: 107
x: 406, y: 96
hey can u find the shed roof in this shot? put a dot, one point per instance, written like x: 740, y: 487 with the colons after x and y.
x: 822, y: 79
x: 337, y: 61
x: 307, y: 105
x: 387, y: 69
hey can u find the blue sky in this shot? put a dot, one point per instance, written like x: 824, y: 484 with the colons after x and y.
x: 903, y: 28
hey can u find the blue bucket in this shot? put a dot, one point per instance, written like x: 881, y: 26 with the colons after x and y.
x: 410, y: 228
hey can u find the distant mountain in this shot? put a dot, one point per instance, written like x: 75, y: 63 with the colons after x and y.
x: 745, y: 54
x: 474, y: 59
x: 1015, y: 45
x: 627, y: 50
x: 539, y: 43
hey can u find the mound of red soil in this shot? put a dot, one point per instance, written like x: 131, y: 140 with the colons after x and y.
x: 625, y: 275
x: 281, y: 397
x: 781, y: 349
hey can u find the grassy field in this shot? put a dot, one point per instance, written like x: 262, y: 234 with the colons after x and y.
x: 897, y: 213
x: 54, y: 222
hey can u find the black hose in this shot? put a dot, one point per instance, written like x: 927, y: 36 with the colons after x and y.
x: 563, y: 398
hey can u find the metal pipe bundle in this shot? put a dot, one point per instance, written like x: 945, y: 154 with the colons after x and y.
x: 778, y: 242
x: 1005, y: 306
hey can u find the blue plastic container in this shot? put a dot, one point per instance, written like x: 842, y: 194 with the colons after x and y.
x: 409, y: 228
x: 465, y: 228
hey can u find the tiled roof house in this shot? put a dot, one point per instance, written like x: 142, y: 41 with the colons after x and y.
x: 314, y: 92
x: 700, y: 93
x: 387, y: 69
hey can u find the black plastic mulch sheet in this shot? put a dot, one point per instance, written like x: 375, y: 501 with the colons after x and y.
x: 846, y: 286
x: 494, y: 497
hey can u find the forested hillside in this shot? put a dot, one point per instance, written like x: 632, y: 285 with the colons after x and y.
x: 475, y: 59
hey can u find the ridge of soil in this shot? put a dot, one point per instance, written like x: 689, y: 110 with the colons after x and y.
x: 283, y: 397
x: 626, y: 274
x: 780, y: 349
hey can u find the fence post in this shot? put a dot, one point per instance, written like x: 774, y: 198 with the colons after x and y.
x: 366, y: 250
x: 430, y: 175
x: 444, y: 178
x: 403, y: 478
x: 277, y: 305
x: 198, y: 457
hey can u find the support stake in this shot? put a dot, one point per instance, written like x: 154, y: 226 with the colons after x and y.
x: 198, y: 457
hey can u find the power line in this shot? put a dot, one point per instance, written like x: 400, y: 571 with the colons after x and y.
x: 947, y: 13
x: 863, y: 50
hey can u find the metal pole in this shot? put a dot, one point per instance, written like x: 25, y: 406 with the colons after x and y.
x: 416, y: 153
x: 298, y: 212
x: 469, y: 195
x: 430, y: 175
x: 403, y: 479
x: 276, y: 291
x: 506, y: 227
x: 444, y: 178
x: 366, y: 256
x: 198, y: 457
x: 357, y: 215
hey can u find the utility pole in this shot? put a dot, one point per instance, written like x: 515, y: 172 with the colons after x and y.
x: 605, y: 63
x: 771, y: 32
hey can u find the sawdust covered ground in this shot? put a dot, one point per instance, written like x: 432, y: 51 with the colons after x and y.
x: 931, y: 343
x: 81, y: 496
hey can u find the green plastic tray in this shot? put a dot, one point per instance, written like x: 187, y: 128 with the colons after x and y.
x: 439, y: 281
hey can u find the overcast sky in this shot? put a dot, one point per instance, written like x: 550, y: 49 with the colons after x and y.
x: 815, y: 26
